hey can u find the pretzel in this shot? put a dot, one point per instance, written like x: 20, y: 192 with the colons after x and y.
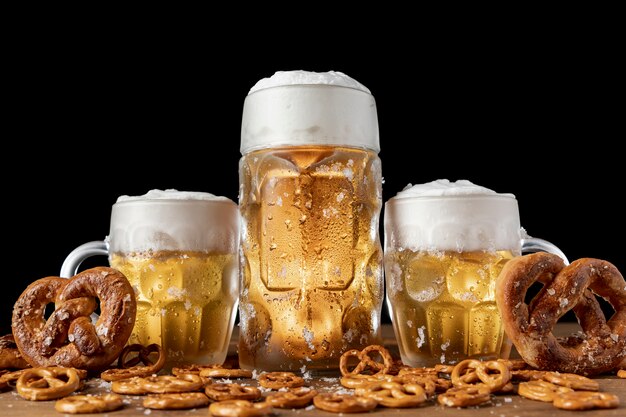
x: 278, y: 380
x: 221, y: 392
x: 83, y: 404
x: 602, y: 346
x: 585, y: 400
x: 393, y: 394
x: 527, y: 375
x: 239, y: 408
x: 178, y: 401
x: 67, y: 337
x: 365, y: 361
x: 464, y: 373
x: 359, y: 380
x: 40, y: 384
x: 192, y: 369
x: 465, y: 396
x: 293, y: 398
x: 498, y: 382
x: 572, y: 381
x: 163, y: 384
x: 621, y: 373
x: 419, y: 371
x: 128, y: 369
x: 540, y: 390
x: 10, y: 356
x: 344, y: 403
x: 427, y: 382
x: 219, y: 372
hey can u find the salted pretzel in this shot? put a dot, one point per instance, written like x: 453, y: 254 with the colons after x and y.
x: 603, y: 345
x: 465, y: 396
x: 292, y: 398
x: 278, y: 380
x: 573, y: 381
x: 393, y: 394
x: 130, y: 368
x: 585, y: 400
x: 41, y: 384
x: 10, y: 356
x: 83, y: 404
x: 540, y: 390
x: 366, y: 362
x: 481, y: 371
x: 178, y: 401
x: 222, y: 392
x: 216, y: 371
x: 163, y: 384
x: 68, y: 337
x: 344, y: 403
x: 239, y: 408
x: 360, y: 380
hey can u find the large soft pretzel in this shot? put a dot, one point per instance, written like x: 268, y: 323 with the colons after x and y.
x: 602, y: 346
x: 68, y: 337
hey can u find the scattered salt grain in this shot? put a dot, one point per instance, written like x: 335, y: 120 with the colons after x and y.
x: 421, y: 339
x: 310, y: 407
x: 147, y: 411
x: 563, y: 302
x: 551, y: 291
x: 508, y: 399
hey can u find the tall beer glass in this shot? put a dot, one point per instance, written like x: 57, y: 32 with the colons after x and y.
x: 445, y: 245
x: 310, y: 199
x: 179, y: 252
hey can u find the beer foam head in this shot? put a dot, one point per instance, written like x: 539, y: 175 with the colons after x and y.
x: 457, y: 216
x: 296, y: 108
x: 174, y: 221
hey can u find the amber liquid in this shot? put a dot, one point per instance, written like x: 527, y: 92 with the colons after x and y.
x: 186, y: 302
x: 443, y: 305
x: 311, y: 275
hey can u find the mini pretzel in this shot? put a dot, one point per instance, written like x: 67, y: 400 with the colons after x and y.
x: 165, y: 384
x: 68, y: 338
x: 464, y: 373
x: 356, y: 381
x: 527, y: 375
x: 393, y: 395
x: 343, y: 363
x: 219, y: 372
x: 540, y: 390
x: 294, y: 398
x: 157, y: 385
x: 221, y: 392
x: 192, y: 369
x: 40, y: 384
x: 10, y: 356
x: 465, y: 396
x: 84, y: 404
x: 344, y: 403
x: 572, y: 381
x: 603, y: 344
x: 427, y: 382
x: 585, y: 400
x: 419, y: 371
x: 278, y: 380
x: 178, y: 401
x: 239, y: 408
x: 128, y: 369
x: 497, y: 382
x: 382, y: 368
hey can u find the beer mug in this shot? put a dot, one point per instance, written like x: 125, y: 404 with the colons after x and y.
x: 179, y: 252
x: 445, y: 245
x: 310, y: 200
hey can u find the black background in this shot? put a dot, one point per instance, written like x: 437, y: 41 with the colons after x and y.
x: 90, y: 116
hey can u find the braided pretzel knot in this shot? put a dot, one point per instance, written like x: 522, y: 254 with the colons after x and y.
x: 603, y: 345
x: 68, y: 338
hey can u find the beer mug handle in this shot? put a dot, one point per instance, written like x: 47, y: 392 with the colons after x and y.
x: 533, y: 244
x: 77, y: 256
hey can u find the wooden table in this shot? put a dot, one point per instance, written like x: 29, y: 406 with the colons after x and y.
x: 12, y: 405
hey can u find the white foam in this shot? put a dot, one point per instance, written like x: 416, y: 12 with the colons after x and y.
x: 294, y: 108
x: 456, y: 216
x: 174, y: 220
x: 172, y: 194
x: 444, y: 187
x: 282, y: 78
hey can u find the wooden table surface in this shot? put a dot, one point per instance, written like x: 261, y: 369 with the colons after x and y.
x: 12, y: 405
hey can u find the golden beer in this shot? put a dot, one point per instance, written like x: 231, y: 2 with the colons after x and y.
x: 444, y: 306
x: 311, y: 273
x: 186, y: 302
